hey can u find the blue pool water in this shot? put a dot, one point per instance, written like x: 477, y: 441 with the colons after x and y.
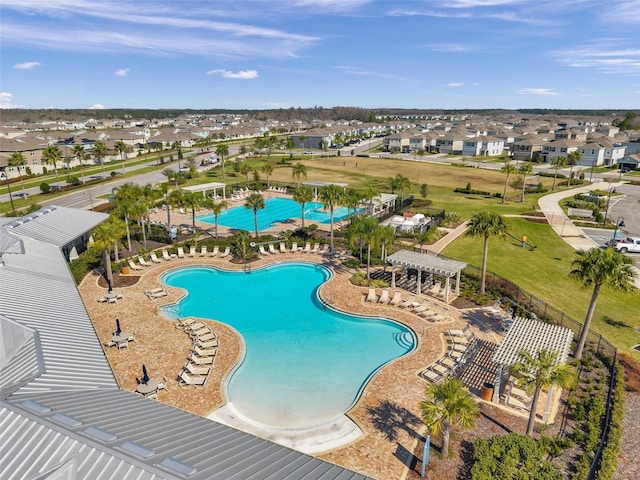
x: 276, y: 210
x: 304, y: 363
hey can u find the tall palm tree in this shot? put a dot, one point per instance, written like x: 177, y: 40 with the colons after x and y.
x: 267, y: 169
x: 255, y: 202
x: 351, y: 200
x: 370, y: 231
x: 386, y: 237
x: 297, y: 171
x: 52, y: 155
x: 99, y: 151
x: 403, y: 184
x: 126, y: 197
x: 216, y: 208
x: 222, y: 150
x: 507, y: 169
x: 104, y: 235
x: 290, y: 144
x: 573, y: 159
x: 81, y: 154
x: 331, y: 196
x: 524, y: 170
x: 245, y: 170
x: 446, y: 404
x: 193, y: 201
x: 600, y: 267
x: 558, y: 162
x: 177, y: 146
x: 302, y: 195
x: 121, y: 148
x: 370, y: 192
x: 535, y: 373
x: 17, y: 160
x: 484, y: 224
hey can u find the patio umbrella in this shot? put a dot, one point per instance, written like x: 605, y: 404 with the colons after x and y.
x: 145, y: 376
x: 109, y: 283
x: 118, y: 331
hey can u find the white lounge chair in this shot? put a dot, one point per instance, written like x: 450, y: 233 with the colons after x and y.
x: 143, y: 262
x: 154, y: 257
x: 180, y: 252
x: 160, y: 294
x: 384, y: 297
x: 372, y: 297
x: 206, y: 345
x: 204, y: 352
x: 294, y: 247
x: 204, y: 360
x: 216, y: 250
x: 186, y: 379
x: 272, y: 249
x: 192, y: 251
x: 165, y: 255
x: 152, y: 291
x: 316, y: 248
x: 262, y: 250
x: 196, y: 370
x: 133, y: 266
x: 409, y: 302
x: 283, y: 247
x: 203, y: 251
x: 325, y: 249
x: 226, y: 252
x: 185, y: 322
x: 307, y: 248
x: 207, y: 336
x: 397, y: 298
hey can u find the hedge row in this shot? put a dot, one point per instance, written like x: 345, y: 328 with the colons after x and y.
x: 469, y: 191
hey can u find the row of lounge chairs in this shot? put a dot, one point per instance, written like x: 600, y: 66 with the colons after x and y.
x: 294, y: 249
x: 430, y: 311
x: 202, y: 353
x: 277, y: 189
x: 461, y: 346
x: 242, y: 194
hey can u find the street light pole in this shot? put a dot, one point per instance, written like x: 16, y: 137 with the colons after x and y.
x: 13, y: 209
x: 606, y: 212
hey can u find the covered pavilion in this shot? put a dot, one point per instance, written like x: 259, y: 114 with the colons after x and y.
x: 205, y: 187
x: 317, y: 184
x: 532, y: 336
x: 427, y: 263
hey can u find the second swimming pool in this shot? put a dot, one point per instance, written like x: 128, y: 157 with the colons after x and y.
x: 304, y: 363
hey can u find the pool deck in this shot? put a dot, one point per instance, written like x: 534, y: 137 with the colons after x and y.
x: 387, y: 411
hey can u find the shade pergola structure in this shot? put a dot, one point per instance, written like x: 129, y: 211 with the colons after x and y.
x: 427, y: 263
x: 532, y: 336
x: 205, y: 187
x: 317, y: 184
x: 383, y: 203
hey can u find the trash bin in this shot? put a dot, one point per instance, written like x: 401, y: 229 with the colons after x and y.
x: 125, y: 270
x: 486, y: 393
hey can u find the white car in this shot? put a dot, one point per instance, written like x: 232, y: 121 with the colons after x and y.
x: 630, y: 244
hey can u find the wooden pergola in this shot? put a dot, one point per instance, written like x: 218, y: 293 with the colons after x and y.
x: 432, y: 264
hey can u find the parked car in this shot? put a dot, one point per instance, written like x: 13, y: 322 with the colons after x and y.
x: 630, y: 244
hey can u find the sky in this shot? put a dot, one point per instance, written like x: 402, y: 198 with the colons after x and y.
x: 263, y: 54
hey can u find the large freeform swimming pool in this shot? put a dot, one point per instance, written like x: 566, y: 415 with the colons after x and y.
x: 276, y: 210
x: 304, y: 363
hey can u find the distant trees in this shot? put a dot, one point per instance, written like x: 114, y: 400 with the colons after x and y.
x: 17, y: 160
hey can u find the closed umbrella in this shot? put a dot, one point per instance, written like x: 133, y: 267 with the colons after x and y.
x: 145, y: 376
x: 118, y: 331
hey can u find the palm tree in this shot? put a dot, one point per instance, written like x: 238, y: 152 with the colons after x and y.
x: 403, y: 184
x: 290, y: 144
x: 302, y: 195
x: 177, y: 146
x: 53, y: 155
x: 245, y: 169
x: 370, y: 192
x: 524, y: 170
x: 331, y: 196
x: 217, y: 208
x: 386, y: 236
x: 508, y: 169
x: 104, y: 235
x: 535, y: 373
x: 17, y: 160
x: 597, y: 267
x: 423, y: 237
x: 485, y: 224
x: 255, y: 202
x: 222, y: 150
x: 558, y: 162
x: 297, y: 171
x: 446, y: 404
x: 126, y: 198
x: 573, y: 159
x: 370, y: 233
x: 121, y: 148
x: 351, y: 199
x: 240, y: 242
x: 267, y: 169
x: 99, y: 151
x: 81, y: 154
x: 193, y: 201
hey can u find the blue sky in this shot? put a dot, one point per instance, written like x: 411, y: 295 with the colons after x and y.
x: 260, y: 54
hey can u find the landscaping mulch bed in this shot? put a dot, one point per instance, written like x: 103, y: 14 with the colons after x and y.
x: 628, y: 465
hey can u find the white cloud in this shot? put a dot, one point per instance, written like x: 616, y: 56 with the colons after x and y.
x: 239, y: 75
x: 6, y: 100
x: 451, y: 47
x: 537, y: 91
x: 96, y: 106
x: 455, y: 84
x: 335, y: 5
x: 123, y: 72
x: 606, y: 55
x: 365, y: 73
x: 27, y: 65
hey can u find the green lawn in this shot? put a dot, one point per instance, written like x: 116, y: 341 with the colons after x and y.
x: 544, y: 272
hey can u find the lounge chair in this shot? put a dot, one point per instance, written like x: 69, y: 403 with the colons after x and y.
x: 262, y: 250
x: 226, y: 252
x: 186, y: 379
x: 430, y: 375
x: 384, y: 298
x: 397, y: 298
x: 180, y: 252
x: 165, y: 255
x: 152, y: 291
x: 133, y: 266
x: 216, y: 250
x: 203, y: 251
x: 160, y: 294
x: 283, y: 247
x: 204, y: 352
x: 205, y: 360
x: 195, y: 327
x: 421, y: 308
x: 409, y: 302
x: 143, y: 262
x: 206, y: 345
x: 185, y: 322
x: 154, y: 257
x: 316, y: 248
x: 272, y: 249
x: 205, y: 336
x: 192, y: 251
x: 325, y: 249
x: 307, y: 248
x: 294, y: 247
x: 435, y: 290
x: 196, y: 370
x: 372, y: 297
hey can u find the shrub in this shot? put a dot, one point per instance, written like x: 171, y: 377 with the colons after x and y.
x: 359, y: 279
x: 351, y: 262
x: 45, y: 187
